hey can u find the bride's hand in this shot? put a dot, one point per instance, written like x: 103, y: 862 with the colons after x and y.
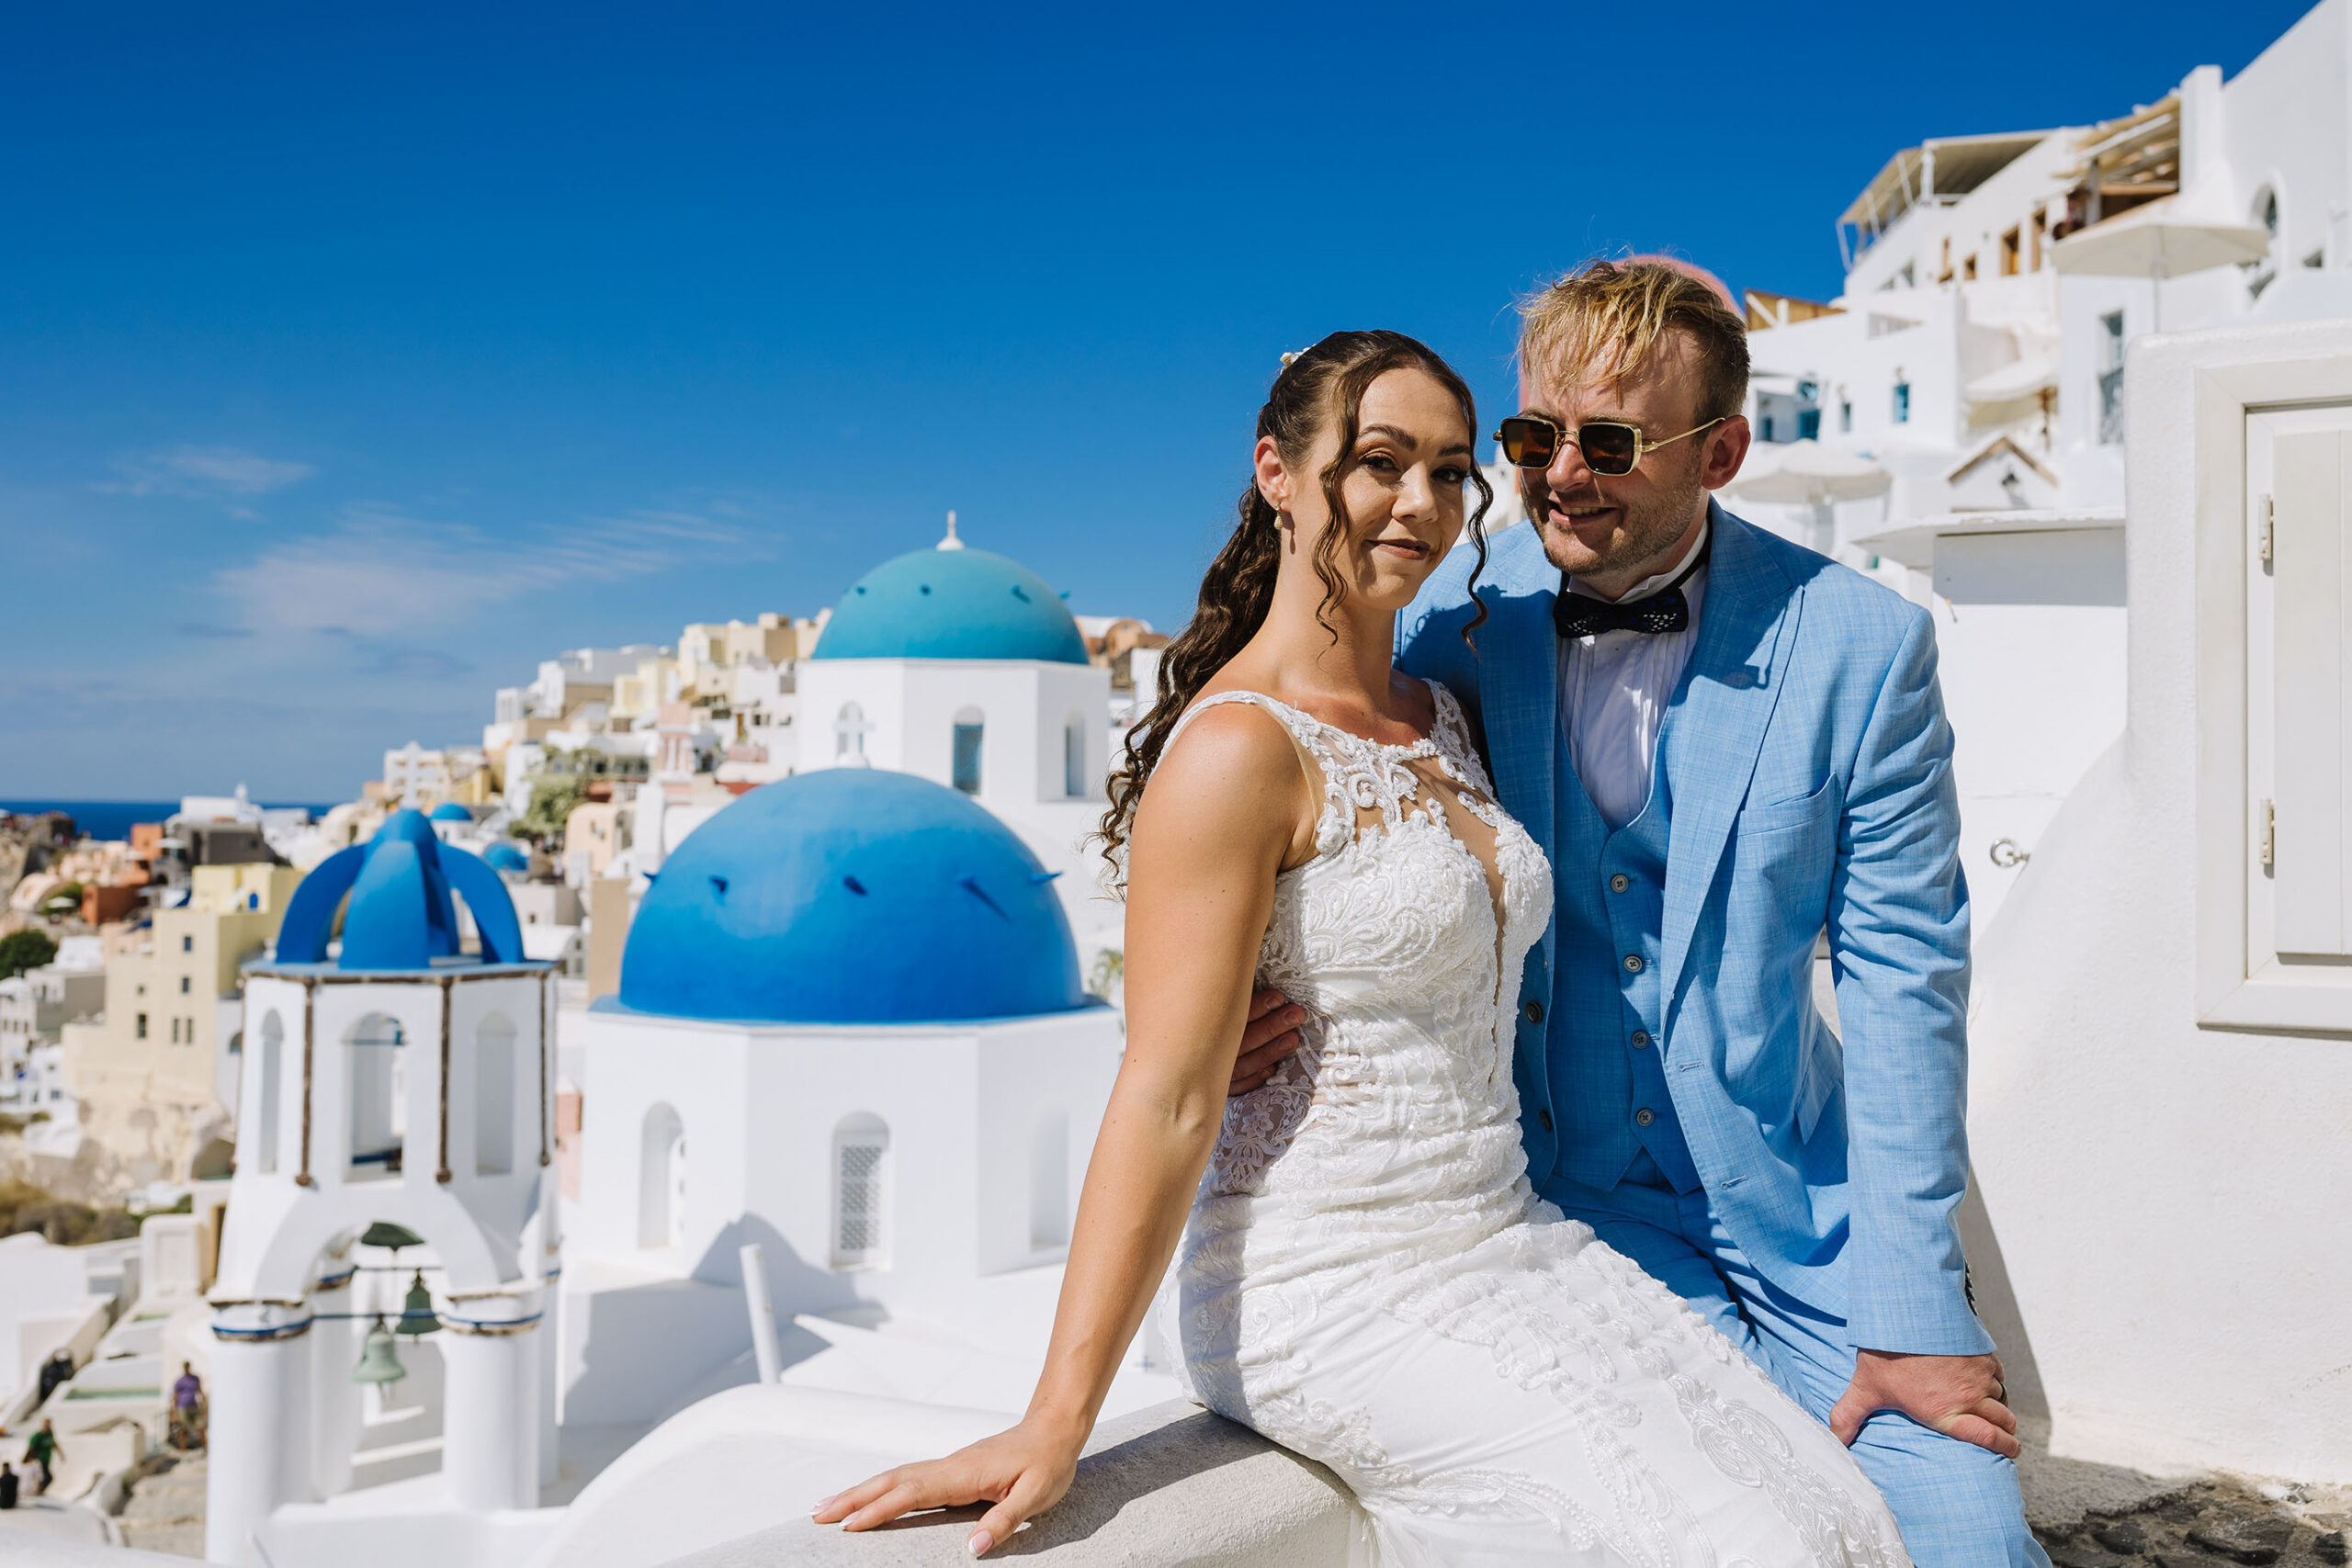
x: 1022, y: 1471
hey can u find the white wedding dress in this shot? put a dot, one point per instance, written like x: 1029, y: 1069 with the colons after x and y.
x: 1368, y: 1278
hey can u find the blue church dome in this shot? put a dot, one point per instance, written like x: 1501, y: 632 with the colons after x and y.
x: 852, y: 895
x: 450, y: 811
x: 503, y: 856
x: 400, y: 914
x: 952, y: 603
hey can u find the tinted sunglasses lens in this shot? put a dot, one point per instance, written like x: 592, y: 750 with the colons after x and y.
x: 1529, y: 443
x: 1610, y: 448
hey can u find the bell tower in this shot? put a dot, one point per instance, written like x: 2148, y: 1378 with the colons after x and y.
x: 400, y: 1081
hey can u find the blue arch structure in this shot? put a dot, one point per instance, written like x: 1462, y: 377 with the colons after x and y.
x: 952, y: 604
x: 400, y: 914
x: 852, y: 895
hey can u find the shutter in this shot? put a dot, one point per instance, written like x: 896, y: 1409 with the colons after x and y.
x: 2311, y: 850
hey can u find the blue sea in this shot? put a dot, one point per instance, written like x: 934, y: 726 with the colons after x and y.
x: 112, y: 818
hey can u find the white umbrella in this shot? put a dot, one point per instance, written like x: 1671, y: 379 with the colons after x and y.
x: 2158, y: 242
x: 1805, y: 473
x: 2020, y: 378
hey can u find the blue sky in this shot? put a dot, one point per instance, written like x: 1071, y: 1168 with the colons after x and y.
x: 355, y: 359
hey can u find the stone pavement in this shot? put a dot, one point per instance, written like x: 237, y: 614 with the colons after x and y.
x: 165, y: 1511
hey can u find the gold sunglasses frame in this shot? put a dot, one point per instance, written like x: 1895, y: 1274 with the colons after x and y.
x: 1562, y: 435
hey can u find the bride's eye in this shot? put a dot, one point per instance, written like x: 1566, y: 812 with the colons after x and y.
x: 1454, y: 476
x: 1379, y: 463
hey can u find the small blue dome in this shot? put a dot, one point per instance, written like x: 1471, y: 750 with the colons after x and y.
x: 503, y: 856
x: 957, y: 604
x: 450, y: 811
x: 852, y: 895
x: 400, y: 914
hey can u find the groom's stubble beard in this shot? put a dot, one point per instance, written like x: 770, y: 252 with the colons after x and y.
x: 1653, y: 517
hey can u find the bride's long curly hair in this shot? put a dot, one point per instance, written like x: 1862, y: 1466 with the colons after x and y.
x: 1322, y: 386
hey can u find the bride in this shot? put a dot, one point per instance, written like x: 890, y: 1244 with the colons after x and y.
x: 1366, y: 1277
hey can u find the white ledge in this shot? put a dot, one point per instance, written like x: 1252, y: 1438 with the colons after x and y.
x: 1167, y: 1487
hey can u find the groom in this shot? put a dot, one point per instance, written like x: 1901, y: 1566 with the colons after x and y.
x: 1729, y: 747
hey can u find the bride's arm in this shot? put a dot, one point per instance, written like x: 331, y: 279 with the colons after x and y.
x: 1222, y: 812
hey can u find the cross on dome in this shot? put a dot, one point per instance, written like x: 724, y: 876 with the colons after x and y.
x: 951, y: 542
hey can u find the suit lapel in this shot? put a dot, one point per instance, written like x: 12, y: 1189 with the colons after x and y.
x: 1520, y: 696
x: 1715, y: 725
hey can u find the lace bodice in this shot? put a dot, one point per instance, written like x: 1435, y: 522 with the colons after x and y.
x: 1403, y: 939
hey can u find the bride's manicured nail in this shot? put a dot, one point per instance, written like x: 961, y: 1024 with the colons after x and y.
x: 819, y: 1505
x: 979, y: 1543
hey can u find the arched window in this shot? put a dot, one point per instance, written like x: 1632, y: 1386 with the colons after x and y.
x: 1074, y: 768
x: 850, y: 730
x: 262, y: 1134
x: 861, y: 1192
x: 661, y: 1180
x: 970, y: 727
x: 1049, y: 1180
x: 376, y: 1052
x: 494, y: 1096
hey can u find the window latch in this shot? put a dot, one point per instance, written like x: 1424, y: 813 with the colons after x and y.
x: 2266, y: 530
x: 2269, y: 835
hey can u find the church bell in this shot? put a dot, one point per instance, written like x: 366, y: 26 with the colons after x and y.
x: 378, y: 1363
x: 416, y: 1311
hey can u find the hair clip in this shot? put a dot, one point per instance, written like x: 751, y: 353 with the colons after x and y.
x: 1291, y: 355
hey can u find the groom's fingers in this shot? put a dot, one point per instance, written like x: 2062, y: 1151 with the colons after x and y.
x: 1846, y: 1417
x: 1977, y: 1430
x: 1271, y: 1034
x: 1995, y: 1411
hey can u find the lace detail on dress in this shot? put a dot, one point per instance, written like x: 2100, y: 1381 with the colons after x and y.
x: 1369, y: 1278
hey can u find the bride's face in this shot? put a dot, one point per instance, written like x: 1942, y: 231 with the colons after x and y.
x: 1402, y: 485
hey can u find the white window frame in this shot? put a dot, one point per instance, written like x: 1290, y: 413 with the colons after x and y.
x: 2234, y: 992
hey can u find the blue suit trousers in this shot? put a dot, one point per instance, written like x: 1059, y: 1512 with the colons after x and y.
x: 1958, y: 1505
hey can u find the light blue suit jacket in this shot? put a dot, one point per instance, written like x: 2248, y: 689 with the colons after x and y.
x: 1811, y: 768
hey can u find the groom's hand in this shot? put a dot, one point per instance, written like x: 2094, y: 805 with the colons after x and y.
x: 1961, y: 1396
x: 1271, y: 1034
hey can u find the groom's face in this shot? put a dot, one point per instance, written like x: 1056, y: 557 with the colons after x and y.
x: 1606, y: 529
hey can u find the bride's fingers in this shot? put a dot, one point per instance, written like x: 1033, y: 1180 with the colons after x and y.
x: 997, y: 1525
x: 843, y: 1504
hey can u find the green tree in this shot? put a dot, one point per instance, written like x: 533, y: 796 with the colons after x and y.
x: 27, y: 949
x: 553, y: 796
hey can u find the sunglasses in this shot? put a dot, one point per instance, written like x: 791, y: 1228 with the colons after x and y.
x: 1609, y: 446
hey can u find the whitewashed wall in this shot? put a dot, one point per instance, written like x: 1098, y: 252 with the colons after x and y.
x: 2164, y: 1200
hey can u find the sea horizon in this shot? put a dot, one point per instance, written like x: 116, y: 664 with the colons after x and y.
x: 112, y: 819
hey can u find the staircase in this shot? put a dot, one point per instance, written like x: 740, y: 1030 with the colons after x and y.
x: 165, y: 1510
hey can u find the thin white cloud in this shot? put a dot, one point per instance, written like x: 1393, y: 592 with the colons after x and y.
x: 204, y: 471
x: 383, y: 574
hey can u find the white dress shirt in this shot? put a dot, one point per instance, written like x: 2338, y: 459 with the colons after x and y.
x: 1613, y: 690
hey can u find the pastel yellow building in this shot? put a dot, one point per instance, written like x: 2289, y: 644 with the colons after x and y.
x: 155, y: 1072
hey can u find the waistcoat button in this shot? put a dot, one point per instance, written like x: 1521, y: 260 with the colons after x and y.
x: 1633, y: 964
x: 1640, y: 1039
x: 1643, y: 1117
x: 1535, y: 1011
x: 1543, y: 1120
x: 1619, y: 883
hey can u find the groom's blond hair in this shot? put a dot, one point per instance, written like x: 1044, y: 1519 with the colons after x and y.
x: 1609, y: 318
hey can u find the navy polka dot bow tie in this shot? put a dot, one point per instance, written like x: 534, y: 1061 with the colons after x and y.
x: 1576, y: 616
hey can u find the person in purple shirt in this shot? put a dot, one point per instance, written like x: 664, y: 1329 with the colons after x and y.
x: 187, y: 1398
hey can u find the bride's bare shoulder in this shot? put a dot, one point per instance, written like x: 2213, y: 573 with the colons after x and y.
x: 1233, y: 776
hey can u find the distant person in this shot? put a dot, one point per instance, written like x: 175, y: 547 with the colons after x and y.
x: 42, y: 1450
x: 58, y: 1369
x: 188, y: 1403
x: 8, y: 1482
x: 1369, y: 1276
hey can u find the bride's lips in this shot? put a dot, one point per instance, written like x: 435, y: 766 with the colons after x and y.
x: 1410, y: 550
